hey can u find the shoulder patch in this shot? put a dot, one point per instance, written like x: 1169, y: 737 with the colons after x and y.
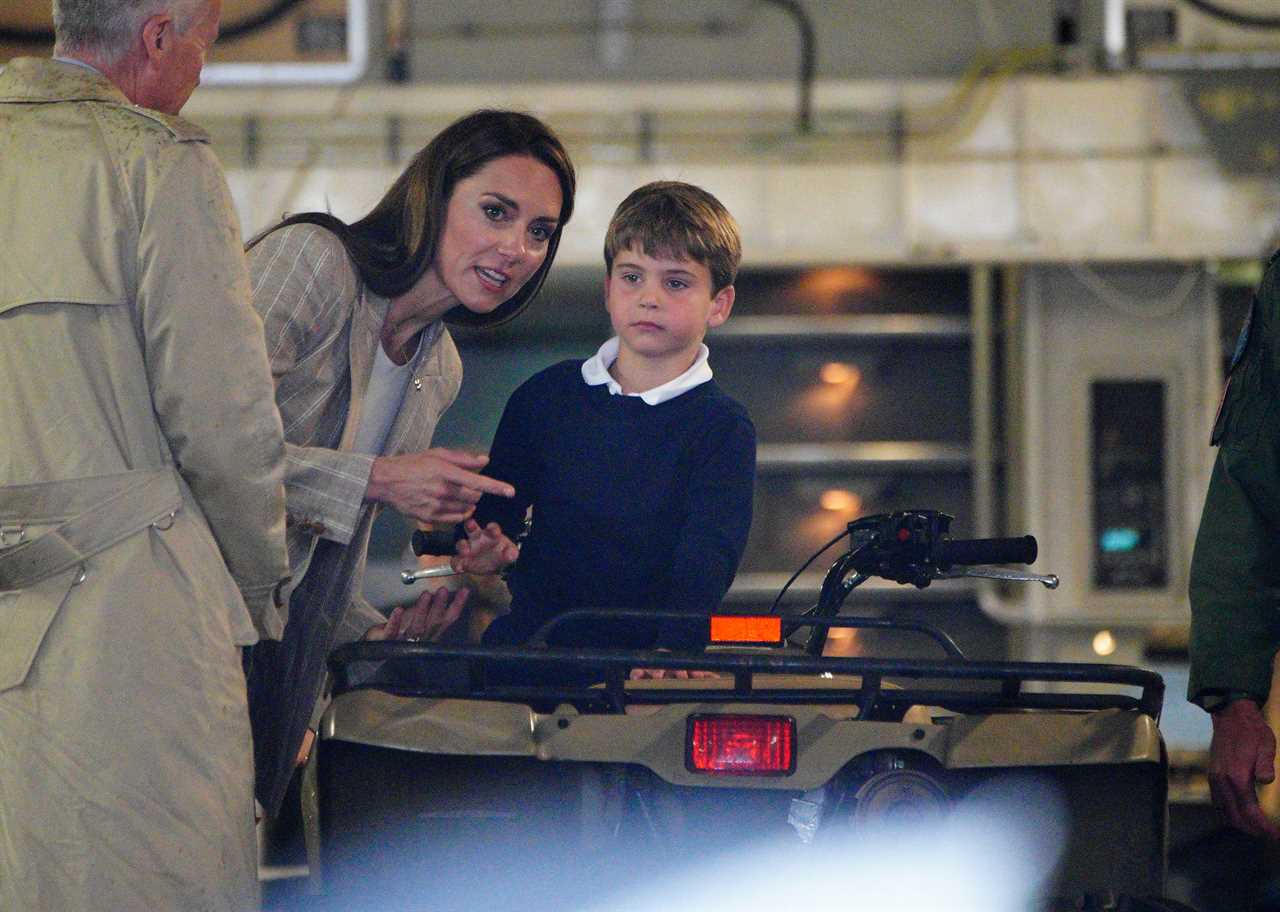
x: 179, y: 128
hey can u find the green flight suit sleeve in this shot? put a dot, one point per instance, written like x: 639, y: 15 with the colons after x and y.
x: 1235, y: 569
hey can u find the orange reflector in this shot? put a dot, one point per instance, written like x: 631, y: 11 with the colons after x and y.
x: 741, y: 745
x: 739, y: 629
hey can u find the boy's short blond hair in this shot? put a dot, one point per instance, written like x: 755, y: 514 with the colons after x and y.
x: 681, y: 221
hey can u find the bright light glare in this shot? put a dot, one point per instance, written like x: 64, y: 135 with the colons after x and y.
x: 994, y: 853
x: 838, y: 500
x: 825, y: 289
x: 830, y: 405
x: 837, y: 373
x: 1104, y: 643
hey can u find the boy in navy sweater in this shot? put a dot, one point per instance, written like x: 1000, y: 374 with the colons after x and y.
x: 639, y: 468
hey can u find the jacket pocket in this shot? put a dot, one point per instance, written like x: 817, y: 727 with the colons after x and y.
x: 25, y: 617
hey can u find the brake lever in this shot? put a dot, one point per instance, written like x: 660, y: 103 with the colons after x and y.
x: 1049, y: 581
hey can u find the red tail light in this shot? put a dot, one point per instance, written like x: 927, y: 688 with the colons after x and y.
x: 741, y: 745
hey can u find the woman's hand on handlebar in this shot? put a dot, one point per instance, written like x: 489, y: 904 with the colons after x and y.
x: 436, y: 485
x: 484, y: 551
x: 426, y: 619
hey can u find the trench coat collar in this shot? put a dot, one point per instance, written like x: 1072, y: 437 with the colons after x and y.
x: 38, y: 79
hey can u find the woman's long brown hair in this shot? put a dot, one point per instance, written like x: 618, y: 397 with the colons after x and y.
x: 396, y: 242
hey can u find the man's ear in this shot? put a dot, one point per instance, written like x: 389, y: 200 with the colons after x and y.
x: 157, y: 35
x: 721, y: 306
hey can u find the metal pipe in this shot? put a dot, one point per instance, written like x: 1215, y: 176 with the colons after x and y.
x: 808, y: 59
x: 268, y: 16
x: 982, y: 396
x: 1114, y: 39
x: 1243, y: 20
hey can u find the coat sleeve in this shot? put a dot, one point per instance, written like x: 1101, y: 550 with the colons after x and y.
x: 304, y: 290
x: 207, y: 368
x: 718, y: 502
x: 356, y: 621
x: 1235, y: 569
x: 359, y: 617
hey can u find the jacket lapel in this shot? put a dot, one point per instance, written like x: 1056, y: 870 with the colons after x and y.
x: 366, y: 327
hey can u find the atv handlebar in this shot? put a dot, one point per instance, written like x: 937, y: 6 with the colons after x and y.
x: 911, y: 547
x: 951, y: 551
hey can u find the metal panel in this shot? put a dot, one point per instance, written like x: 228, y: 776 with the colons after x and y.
x: 1080, y: 325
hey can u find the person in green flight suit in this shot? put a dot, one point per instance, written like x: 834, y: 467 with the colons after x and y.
x: 1235, y: 570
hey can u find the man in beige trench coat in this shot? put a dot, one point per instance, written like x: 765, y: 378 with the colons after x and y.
x: 141, y: 466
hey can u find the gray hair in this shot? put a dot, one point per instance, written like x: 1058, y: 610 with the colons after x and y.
x: 106, y: 29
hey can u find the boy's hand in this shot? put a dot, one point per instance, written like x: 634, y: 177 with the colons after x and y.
x: 683, y: 674
x: 427, y: 619
x: 437, y: 485
x: 669, y: 674
x: 484, y: 551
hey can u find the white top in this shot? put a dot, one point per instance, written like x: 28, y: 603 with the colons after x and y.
x: 385, y: 393
x: 595, y: 370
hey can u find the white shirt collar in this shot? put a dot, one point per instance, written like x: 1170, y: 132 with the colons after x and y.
x: 595, y: 371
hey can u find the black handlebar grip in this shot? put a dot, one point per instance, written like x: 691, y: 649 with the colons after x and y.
x: 1022, y: 550
x: 437, y: 541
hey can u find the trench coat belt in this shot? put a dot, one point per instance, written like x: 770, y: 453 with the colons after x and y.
x: 92, y: 514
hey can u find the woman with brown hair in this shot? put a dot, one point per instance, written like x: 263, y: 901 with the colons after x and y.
x: 355, y: 318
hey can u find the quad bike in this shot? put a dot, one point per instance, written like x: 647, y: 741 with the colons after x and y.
x: 468, y: 790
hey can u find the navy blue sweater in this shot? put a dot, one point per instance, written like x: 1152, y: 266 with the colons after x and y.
x: 634, y: 505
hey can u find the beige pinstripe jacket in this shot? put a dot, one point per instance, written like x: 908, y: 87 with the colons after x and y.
x: 322, y: 330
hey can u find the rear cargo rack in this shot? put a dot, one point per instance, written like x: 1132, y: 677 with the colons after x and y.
x: 911, y: 682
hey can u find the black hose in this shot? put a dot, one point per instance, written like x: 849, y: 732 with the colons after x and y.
x: 808, y: 61
x: 773, y: 609
x: 269, y: 16
x: 12, y: 34
x: 250, y: 24
x: 1244, y: 20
